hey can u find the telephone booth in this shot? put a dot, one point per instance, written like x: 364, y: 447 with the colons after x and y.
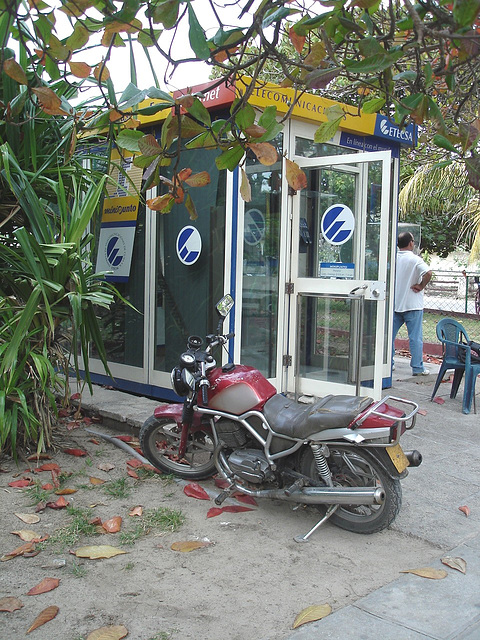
x: 310, y: 271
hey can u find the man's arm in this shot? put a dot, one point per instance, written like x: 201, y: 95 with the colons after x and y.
x: 423, y: 283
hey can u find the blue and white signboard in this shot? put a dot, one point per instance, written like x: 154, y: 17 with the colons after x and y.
x: 338, y: 224
x: 189, y: 245
x: 336, y: 270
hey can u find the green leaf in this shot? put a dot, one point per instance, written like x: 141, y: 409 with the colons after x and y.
x: 245, y: 117
x: 465, y: 12
x: 146, y: 40
x: 406, y: 75
x: 166, y: 13
x: 326, y: 131
x: 373, y: 105
x: 444, y: 143
x: 131, y: 96
x: 230, y: 158
x: 196, y: 36
x: 373, y: 64
x: 158, y: 94
x: 79, y: 37
x: 128, y: 139
x: 276, y: 16
x: 200, y: 112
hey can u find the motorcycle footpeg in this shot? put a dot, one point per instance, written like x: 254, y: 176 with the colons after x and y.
x: 222, y: 497
x: 298, y: 484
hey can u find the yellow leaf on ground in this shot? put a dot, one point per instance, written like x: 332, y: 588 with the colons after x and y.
x: 98, y: 551
x: 28, y: 518
x: 115, y: 632
x: 136, y: 511
x: 455, y: 563
x: 189, y: 545
x: 428, y: 572
x: 94, y: 480
x: 27, y: 535
x: 310, y: 614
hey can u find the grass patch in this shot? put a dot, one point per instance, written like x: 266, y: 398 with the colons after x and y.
x: 36, y: 494
x: 161, y: 519
x: 79, y: 570
x: 117, y: 488
x: 70, y: 534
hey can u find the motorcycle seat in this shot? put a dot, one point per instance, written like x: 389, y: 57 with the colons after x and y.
x: 298, y: 420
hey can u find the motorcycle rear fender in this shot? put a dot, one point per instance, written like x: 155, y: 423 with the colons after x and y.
x: 174, y: 412
x: 382, y: 457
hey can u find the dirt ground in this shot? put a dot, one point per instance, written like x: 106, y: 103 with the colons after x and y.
x: 249, y: 582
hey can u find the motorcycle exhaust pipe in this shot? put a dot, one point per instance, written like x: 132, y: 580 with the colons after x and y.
x: 322, y: 495
x: 414, y: 457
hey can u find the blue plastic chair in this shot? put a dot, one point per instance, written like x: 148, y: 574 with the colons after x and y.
x: 457, y: 356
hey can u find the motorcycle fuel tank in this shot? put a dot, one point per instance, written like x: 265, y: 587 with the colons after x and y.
x: 238, y: 388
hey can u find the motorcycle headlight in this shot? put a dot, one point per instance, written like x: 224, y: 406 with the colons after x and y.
x: 179, y: 385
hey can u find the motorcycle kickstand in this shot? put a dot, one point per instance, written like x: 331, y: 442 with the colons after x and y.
x: 330, y: 511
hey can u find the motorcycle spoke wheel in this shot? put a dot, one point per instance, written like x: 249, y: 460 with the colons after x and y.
x: 160, y: 441
x: 355, y: 468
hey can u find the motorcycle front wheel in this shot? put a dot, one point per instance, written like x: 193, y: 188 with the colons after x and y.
x: 356, y: 468
x: 160, y: 440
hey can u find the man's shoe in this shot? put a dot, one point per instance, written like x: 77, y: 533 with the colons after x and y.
x: 425, y: 372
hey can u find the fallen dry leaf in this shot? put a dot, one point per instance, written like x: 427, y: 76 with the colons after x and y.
x: 136, y: 511
x: 221, y: 483
x: 194, y: 490
x: 106, y: 466
x: 236, y: 508
x: 47, y: 584
x: 19, y: 484
x: 35, y: 457
x: 94, y: 480
x: 189, y: 545
x: 439, y: 400
x: 134, y: 463
x: 465, y: 510
x: 108, y: 633
x: 28, y: 518
x: 19, y: 551
x: 125, y: 438
x: 422, y: 412
x: 133, y: 474
x: 49, y: 466
x: 48, y: 486
x: 65, y: 492
x: 310, y: 614
x: 245, y: 499
x: 98, y: 551
x: 75, y: 452
x: 455, y: 563
x: 428, y: 572
x: 10, y: 603
x: 113, y: 525
x: 27, y: 535
x: 44, y: 616
x: 61, y: 503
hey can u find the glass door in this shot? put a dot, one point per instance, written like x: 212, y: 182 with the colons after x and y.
x: 341, y: 227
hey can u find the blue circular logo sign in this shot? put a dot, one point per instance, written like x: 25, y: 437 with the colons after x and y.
x: 254, y: 226
x: 338, y: 224
x: 115, y: 251
x: 189, y: 245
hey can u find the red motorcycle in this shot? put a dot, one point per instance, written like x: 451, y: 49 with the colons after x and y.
x: 340, y: 453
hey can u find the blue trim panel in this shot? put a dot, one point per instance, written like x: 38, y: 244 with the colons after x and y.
x: 233, y: 261
x: 119, y: 223
x: 138, y: 388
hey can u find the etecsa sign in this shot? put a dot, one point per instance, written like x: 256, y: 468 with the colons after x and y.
x: 338, y: 224
x: 189, y: 245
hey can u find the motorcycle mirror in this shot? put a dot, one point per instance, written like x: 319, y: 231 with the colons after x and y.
x: 224, y: 306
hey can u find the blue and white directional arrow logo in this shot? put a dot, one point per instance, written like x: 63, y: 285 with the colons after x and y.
x: 338, y: 224
x: 189, y: 245
x: 115, y: 251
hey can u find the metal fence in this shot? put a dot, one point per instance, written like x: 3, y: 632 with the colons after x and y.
x: 453, y: 291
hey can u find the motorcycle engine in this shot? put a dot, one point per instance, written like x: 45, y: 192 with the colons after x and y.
x: 251, y: 465
x: 231, y: 433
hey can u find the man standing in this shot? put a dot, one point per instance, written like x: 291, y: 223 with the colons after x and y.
x: 412, y: 276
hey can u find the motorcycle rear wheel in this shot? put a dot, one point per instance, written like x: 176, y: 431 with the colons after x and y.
x: 356, y: 468
x: 160, y: 439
